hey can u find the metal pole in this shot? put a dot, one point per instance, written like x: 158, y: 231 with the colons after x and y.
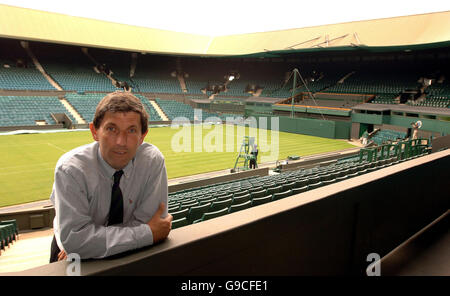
x: 293, y: 91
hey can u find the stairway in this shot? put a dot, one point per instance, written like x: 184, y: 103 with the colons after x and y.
x: 158, y: 109
x: 113, y: 80
x: 180, y: 76
x: 38, y: 65
x: 346, y: 76
x: 72, y: 111
x: 182, y: 83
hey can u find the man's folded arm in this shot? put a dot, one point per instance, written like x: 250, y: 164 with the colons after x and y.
x: 79, y: 234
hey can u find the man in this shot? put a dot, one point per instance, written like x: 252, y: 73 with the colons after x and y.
x: 364, y: 138
x: 254, y: 159
x: 110, y: 196
x: 415, y: 127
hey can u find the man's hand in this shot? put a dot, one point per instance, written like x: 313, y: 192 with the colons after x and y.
x: 160, y: 226
x: 62, y: 256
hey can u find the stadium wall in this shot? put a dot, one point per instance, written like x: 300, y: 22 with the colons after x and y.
x: 309, y: 126
x: 330, y: 230
x: 431, y: 125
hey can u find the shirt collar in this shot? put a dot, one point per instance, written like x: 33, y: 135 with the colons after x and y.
x: 109, y: 171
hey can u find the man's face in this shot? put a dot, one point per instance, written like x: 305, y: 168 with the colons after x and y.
x: 119, y: 136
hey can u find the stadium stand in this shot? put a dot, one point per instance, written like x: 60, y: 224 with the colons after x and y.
x: 216, y: 200
x: 154, y: 116
x: 27, y: 110
x: 174, y: 109
x: 77, y: 76
x: 85, y: 103
x: 153, y: 74
x: 21, y: 78
x: 387, y: 136
x: 9, y: 232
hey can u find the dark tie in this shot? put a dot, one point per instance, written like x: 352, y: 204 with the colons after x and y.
x: 116, y: 207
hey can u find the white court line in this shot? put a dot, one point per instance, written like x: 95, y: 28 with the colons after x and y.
x: 50, y: 144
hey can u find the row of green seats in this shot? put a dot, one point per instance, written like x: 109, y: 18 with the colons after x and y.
x: 9, y: 232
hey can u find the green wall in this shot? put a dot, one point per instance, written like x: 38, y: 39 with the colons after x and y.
x: 313, y: 127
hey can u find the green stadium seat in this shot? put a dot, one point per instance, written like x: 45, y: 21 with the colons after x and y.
x: 7, y: 234
x: 287, y: 186
x: 196, y: 212
x: 260, y: 193
x: 301, y: 183
x: 269, y: 185
x: 299, y: 190
x: 211, y: 215
x: 281, y: 195
x: 189, y: 204
x: 240, y: 193
x: 3, y: 238
x: 274, y: 189
x: 255, y: 189
x: 241, y: 206
x: 173, y: 208
x: 204, y: 197
x: 220, y: 204
x: 261, y: 200
x: 341, y: 178
x: 241, y: 199
x: 315, y: 185
x: 179, y: 223
x: 12, y: 221
x: 313, y: 179
x: 205, y: 201
x: 328, y: 182
x: 325, y: 177
x: 225, y: 197
x: 180, y: 214
x: 352, y: 175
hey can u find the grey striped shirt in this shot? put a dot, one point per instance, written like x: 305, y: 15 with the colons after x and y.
x: 82, y: 194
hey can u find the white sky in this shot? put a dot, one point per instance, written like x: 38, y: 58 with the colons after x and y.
x: 227, y: 17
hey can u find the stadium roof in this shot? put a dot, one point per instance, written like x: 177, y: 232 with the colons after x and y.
x: 406, y: 32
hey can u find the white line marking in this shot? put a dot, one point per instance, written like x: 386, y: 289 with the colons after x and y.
x: 50, y: 144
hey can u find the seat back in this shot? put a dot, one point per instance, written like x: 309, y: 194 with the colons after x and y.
x: 196, y: 212
x: 220, y: 204
x: 261, y: 200
x: 301, y: 182
x: 241, y: 199
x: 272, y: 190
x: 287, y: 186
x: 179, y: 223
x: 187, y: 205
x: 315, y: 185
x: 280, y: 195
x: 240, y: 193
x: 299, y: 190
x: 225, y: 197
x: 255, y: 189
x: 238, y: 207
x: 260, y: 193
x: 215, y: 214
x: 180, y: 214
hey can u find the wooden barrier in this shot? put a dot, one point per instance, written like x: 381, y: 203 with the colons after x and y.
x: 330, y: 230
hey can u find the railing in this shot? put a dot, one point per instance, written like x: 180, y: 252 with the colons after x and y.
x: 399, y: 150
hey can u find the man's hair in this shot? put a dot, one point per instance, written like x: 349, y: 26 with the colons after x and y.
x: 120, y: 101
